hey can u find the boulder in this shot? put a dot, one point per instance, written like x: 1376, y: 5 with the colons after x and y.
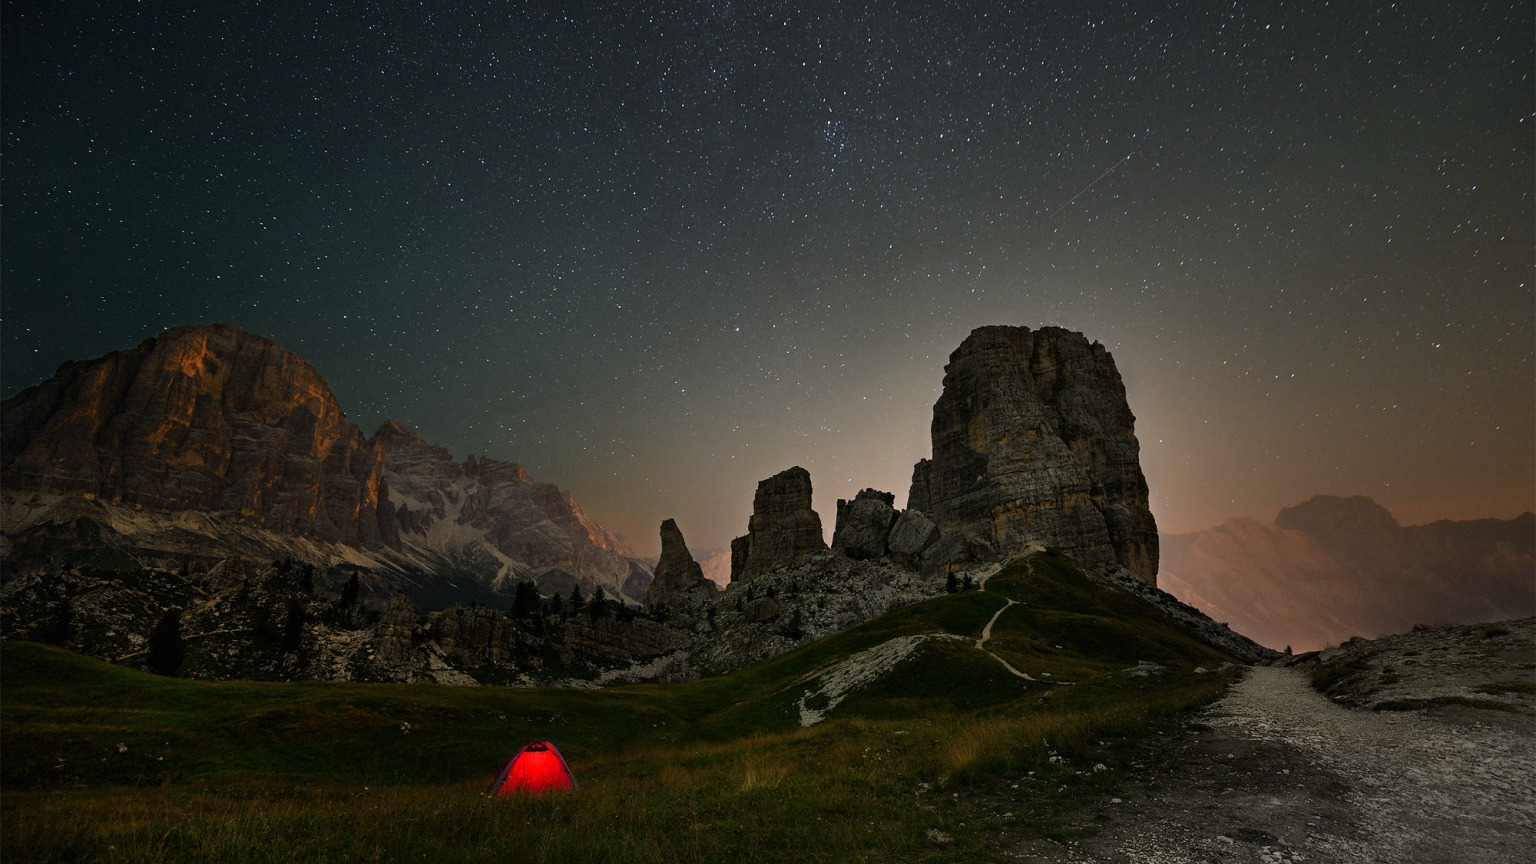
x: 910, y: 536
x: 863, y: 524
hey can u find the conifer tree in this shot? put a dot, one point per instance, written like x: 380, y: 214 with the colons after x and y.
x: 166, y: 647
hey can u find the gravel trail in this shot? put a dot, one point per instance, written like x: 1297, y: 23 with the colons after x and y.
x: 1274, y: 772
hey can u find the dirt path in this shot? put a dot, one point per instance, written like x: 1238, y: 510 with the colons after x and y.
x: 986, y: 632
x: 1274, y: 772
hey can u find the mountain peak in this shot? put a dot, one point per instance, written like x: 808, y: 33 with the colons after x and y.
x: 395, y: 432
x: 1329, y: 514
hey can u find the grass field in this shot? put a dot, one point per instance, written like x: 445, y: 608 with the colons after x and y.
x: 104, y: 763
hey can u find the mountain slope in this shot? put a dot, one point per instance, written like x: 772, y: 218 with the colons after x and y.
x: 1333, y: 568
x: 143, y: 766
x: 208, y: 442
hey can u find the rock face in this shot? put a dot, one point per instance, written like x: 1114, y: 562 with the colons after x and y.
x: 783, y: 527
x: 207, y: 442
x: 912, y: 535
x: 864, y: 524
x: 1034, y: 443
x: 492, y: 518
x: 211, y: 419
x: 1333, y: 568
x: 679, y: 579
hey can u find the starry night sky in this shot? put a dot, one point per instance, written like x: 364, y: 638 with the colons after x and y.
x: 657, y: 253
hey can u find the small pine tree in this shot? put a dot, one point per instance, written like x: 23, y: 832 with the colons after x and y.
x: 55, y: 630
x: 166, y: 647
x: 349, y: 594
x: 293, y: 629
x: 556, y: 605
x: 525, y: 600
x: 951, y: 585
x: 597, y: 608
x: 575, y: 597
x: 967, y: 585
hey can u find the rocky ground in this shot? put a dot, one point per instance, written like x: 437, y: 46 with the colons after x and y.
x: 1277, y: 772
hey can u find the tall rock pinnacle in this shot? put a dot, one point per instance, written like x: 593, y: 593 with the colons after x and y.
x: 679, y: 579
x: 783, y: 526
x: 1034, y: 442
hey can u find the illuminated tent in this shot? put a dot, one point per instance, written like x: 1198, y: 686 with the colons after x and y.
x: 536, y: 768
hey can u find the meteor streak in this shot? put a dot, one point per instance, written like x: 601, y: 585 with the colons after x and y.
x: 1080, y: 192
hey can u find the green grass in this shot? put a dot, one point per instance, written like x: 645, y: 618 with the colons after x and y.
x: 713, y: 770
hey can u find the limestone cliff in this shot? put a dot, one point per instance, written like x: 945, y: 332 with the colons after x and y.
x: 204, y: 418
x: 679, y: 579
x: 783, y: 527
x: 1034, y: 442
x: 492, y: 518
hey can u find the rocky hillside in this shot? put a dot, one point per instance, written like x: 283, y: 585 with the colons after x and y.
x: 1034, y: 443
x: 209, y: 442
x: 491, y: 519
x: 206, y: 419
x: 1334, y: 568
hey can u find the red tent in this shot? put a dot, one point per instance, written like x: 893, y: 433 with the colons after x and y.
x: 536, y: 768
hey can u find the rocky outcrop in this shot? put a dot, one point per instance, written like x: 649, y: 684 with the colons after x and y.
x: 205, y: 418
x: 490, y: 517
x: 395, y: 633
x: 783, y: 527
x: 911, y: 537
x: 1333, y: 568
x: 679, y: 579
x: 864, y: 524
x: 1034, y: 443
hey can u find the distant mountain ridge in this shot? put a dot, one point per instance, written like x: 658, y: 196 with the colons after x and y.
x: 208, y: 441
x: 1336, y: 567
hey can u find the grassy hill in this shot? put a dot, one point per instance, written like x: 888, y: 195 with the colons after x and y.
x: 112, y: 764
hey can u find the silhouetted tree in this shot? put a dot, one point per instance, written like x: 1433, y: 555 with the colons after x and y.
x: 951, y: 585
x: 166, y: 647
x: 598, y: 607
x: 967, y: 584
x: 796, y: 625
x: 556, y: 605
x: 349, y: 593
x: 525, y: 600
x: 575, y: 597
x: 293, y: 629
x: 55, y: 630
